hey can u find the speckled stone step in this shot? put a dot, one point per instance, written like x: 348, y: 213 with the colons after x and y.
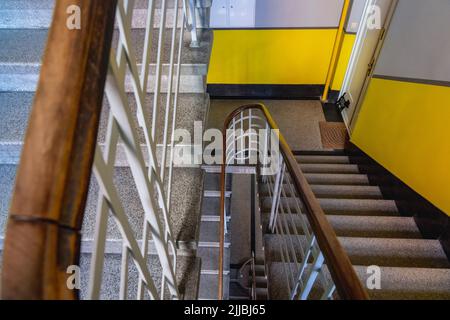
x: 361, y: 226
x: 340, y: 206
x: 389, y: 252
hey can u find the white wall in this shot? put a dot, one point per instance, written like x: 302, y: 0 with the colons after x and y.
x: 298, y: 13
x: 292, y: 13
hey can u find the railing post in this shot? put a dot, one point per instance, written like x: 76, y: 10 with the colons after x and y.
x: 194, y: 36
x: 276, y: 195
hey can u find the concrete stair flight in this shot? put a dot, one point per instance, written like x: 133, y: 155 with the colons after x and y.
x: 23, y: 33
x: 369, y: 224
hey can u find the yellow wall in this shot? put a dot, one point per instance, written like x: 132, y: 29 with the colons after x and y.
x: 406, y: 128
x: 346, y: 51
x: 282, y: 56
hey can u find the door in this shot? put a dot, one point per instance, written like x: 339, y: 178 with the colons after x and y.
x: 233, y: 14
x: 374, y: 24
x: 219, y: 14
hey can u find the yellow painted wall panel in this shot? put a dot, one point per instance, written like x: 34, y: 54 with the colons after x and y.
x: 284, y: 56
x: 406, y: 128
x: 344, y: 59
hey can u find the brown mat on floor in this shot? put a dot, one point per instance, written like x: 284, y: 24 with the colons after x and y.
x: 334, y: 135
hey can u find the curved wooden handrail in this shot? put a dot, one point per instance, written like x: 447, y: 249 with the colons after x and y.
x: 42, y: 236
x: 342, y: 272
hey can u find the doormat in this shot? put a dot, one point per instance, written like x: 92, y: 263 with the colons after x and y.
x: 334, y: 135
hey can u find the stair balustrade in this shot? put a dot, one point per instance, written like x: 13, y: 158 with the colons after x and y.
x: 61, y: 150
x: 251, y: 137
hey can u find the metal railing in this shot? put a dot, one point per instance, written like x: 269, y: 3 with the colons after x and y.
x: 310, y: 251
x: 152, y: 177
x: 153, y: 183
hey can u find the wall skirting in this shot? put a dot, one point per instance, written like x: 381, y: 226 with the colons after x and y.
x: 268, y: 91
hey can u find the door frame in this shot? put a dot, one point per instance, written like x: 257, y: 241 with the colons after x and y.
x: 359, y: 42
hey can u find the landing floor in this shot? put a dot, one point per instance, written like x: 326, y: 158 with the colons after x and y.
x: 298, y: 119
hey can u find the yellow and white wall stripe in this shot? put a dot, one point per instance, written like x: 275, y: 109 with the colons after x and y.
x: 295, y: 50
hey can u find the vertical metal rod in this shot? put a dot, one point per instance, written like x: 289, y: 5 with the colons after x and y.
x: 194, y: 35
x: 315, y: 268
x: 124, y: 274
x: 158, y: 73
x: 175, y: 107
x: 336, y: 50
x: 169, y: 91
x: 276, y: 197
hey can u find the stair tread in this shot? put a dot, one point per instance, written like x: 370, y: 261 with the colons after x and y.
x: 209, y: 287
x: 396, y: 282
x: 209, y: 232
x: 365, y: 226
x: 335, y: 191
x: 339, y: 168
x: 378, y: 251
x: 337, y: 179
x: 27, y: 45
x: 15, y: 108
x: 210, y: 258
x: 340, y: 206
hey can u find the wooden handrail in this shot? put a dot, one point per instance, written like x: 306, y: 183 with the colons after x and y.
x: 42, y: 236
x: 342, y: 272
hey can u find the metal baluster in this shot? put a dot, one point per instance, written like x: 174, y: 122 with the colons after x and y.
x: 124, y: 274
x: 138, y: 170
x: 276, y: 196
x: 194, y: 36
x: 312, y: 276
x: 101, y: 223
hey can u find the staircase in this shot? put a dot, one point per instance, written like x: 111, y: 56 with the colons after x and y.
x: 23, y: 31
x: 351, y: 189
x: 238, y: 273
x: 372, y: 227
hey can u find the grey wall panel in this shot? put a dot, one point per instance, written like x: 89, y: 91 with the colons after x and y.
x: 355, y: 15
x: 418, y: 42
x: 298, y: 13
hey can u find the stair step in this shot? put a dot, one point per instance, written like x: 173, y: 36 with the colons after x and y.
x: 396, y: 283
x: 409, y: 283
x: 15, y: 108
x: 210, y: 258
x: 372, y: 251
x: 355, y: 192
x: 362, y: 226
x: 262, y: 293
x: 49, y: 4
x: 261, y: 282
x: 211, y: 206
x: 339, y: 206
x: 329, y: 159
x: 27, y: 45
x: 24, y: 18
x: 185, y: 204
x: 337, y: 179
x: 188, y: 271
x: 209, y: 233
x: 334, y: 191
x: 212, y: 182
x: 335, y: 168
x: 209, y: 287
x: 359, y: 206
